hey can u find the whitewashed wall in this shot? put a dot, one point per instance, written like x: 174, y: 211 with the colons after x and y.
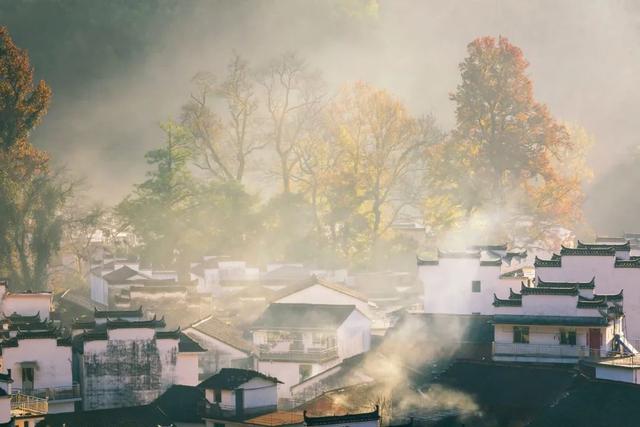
x: 187, y: 369
x: 447, y: 286
x: 99, y: 289
x: 53, y: 362
x: 609, y: 280
x: 130, y: 368
x: 354, y: 335
x: 27, y: 304
x: 613, y: 373
x: 218, y: 355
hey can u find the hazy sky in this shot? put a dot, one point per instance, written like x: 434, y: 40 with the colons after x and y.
x: 583, y: 55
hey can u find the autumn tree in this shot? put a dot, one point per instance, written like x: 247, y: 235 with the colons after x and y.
x: 32, y: 196
x: 504, y: 150
x: 357, y: 170
x: 293, y: 97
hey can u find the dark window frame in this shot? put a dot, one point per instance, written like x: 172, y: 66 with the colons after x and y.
x: 568, y: 336
x: 521, y: 335
x: 476, y: 286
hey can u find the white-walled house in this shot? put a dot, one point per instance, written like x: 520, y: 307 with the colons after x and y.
x: 612, y: 266
x: 318, y: 291
x: 237, y: 393
x: 125, y: 360
x: 463, y: 282
x: 297, y: 341
x: 365, y: 419
x: 226, y: 348
x: 558, y: 322
x: 38, y: 358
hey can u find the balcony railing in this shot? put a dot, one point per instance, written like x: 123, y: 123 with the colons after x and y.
x: 308, y: 355
x: 221, y: 411
x: 23, y: 404
x: 53, y: 393
x: 547, y: 350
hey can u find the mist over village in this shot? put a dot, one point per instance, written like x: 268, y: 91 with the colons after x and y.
x: 336, y: 213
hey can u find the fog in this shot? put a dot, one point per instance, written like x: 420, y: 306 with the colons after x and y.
x: 582, y: 57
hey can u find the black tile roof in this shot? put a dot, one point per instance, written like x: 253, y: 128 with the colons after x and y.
x: 497, y: 302
x: 126, y: 324
x: 531, y: 290
x: 342, y: 419
x: 516, y: 319
x: 554, y: 262
x: 600, y: 251
x: 121, y: 275
x: 181, y: 403
x: 617, y: 247
x: 232, y: 378
x: 139, y: 416
x: 421, y: 260
x: 580, y: 285
x: 188, y: 345
x: 611, y: 297
x: 491, y: 263
x: 627, y: 263
x: 303, y: 316
x: 117, y: 314
x: 593, y: 403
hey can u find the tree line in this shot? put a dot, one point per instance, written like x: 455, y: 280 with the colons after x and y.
x: 268, y: 163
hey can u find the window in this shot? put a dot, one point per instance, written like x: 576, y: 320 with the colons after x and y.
x: 475, y: 286
x: 317, y: 339
x: 273, y: 337
x: 521, y: 334
x: 304, y: 371
x: 218, y: 425
x: 568, y: 336
x: 27, y: 377
x: 217, y: 395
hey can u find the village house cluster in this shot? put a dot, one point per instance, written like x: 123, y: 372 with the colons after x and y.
x: 238, y: 345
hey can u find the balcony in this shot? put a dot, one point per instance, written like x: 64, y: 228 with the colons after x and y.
x: 71, y: 392
x: 23, y: 405
x: 222, y: 411
x: 530, y: 352
x: 310, y: 355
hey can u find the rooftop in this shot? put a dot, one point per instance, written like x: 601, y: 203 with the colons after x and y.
x: 314, y: 280
x: 303, y: 316
x: 188, y: 345
x: 588, y: 251
x: 232, y: 378
x: 117, y: 314
x: 516, y: 319
x: 569, y: 285
x: 223, y: 332
x: 277, y: 418
x: 626, y: 246
x: 342, y: 419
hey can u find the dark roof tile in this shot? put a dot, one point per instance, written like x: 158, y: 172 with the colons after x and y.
x: 232, y: 378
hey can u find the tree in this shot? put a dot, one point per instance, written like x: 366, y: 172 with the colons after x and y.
x: 504, y: 150
x: 31, y: 195
x: 293, y: 96
x: 81, y: 224
x: 223, y: 148
x: 159, y: 208
x: 358, y: 170
x: 21, y: 104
